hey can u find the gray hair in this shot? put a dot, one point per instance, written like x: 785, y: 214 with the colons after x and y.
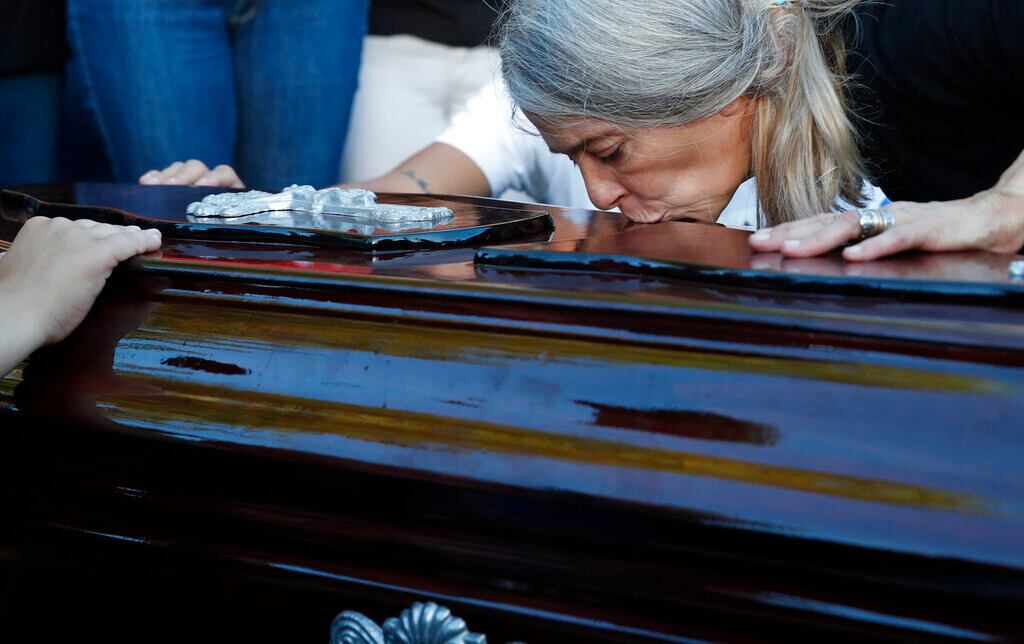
x: 655, y: 63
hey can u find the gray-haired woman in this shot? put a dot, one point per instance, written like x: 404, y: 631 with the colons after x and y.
x: 668, y: 105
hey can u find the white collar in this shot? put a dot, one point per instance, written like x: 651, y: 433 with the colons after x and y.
x: 741, y: 211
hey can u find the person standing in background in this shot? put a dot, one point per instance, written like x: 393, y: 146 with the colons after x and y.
x: 32, y: 55
x: 422, y: 60
x: 264, y: 84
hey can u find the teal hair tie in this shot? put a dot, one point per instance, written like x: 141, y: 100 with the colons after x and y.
x: 781, y: 2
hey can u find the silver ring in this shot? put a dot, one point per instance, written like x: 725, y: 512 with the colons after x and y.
x: 875, y: 222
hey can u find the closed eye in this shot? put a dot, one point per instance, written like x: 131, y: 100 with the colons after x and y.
x: 613, y: 155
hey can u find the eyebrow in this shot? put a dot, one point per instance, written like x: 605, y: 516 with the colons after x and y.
x: 571, y: 152
x: 582, y: 145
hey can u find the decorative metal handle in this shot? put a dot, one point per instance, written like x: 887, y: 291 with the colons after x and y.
x: 420, y: 624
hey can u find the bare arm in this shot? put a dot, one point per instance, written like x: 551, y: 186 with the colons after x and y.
x: 436, y: 169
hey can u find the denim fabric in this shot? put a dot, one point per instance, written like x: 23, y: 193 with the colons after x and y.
x: 28, y: 129
x: 264, y: 85
x: 81, y: 153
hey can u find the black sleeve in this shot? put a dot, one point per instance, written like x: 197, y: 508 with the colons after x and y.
x: 938, y: 94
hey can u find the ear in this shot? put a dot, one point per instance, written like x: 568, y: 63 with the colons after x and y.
x: 737, y: 107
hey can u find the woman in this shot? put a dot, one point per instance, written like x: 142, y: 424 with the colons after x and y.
x: 767, y: 77
x: 669, y: 106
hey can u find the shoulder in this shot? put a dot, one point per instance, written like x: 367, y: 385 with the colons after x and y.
x: 489, y: 119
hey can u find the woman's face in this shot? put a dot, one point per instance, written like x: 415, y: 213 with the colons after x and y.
x: 656, y: 174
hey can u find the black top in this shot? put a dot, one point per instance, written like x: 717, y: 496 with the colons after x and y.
x: 458, y: 23
x: 31, y: 36
x: 943, y: 85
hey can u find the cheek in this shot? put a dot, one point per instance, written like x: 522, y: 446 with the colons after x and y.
x: 684, y: 184
x: 666, y: 185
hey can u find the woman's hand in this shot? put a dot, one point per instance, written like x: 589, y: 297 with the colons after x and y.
x: 193, y: 173
x: 983, y: 222
x: 990, y: 220
x: 51, y: 276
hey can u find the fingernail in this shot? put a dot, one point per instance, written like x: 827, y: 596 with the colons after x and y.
x: 760, y: 266
x: 854, y: 250
x: 761, y: 236
x: 792, y: 243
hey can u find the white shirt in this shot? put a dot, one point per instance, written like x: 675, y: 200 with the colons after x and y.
x: 512, y: 155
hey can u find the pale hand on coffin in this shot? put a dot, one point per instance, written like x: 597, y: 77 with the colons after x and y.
x: 51, y: 276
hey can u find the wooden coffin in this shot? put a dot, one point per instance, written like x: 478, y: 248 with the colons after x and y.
x: 601, y: 432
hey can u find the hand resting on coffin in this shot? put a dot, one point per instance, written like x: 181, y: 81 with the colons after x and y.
x: 51, y: 276
x: 990, y: 220
x: 193, y: 173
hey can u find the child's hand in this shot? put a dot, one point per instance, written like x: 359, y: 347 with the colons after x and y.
x: 53, y: 273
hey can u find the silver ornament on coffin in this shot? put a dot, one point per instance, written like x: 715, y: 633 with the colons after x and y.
x: 422, y: 623
x: 306, y: 207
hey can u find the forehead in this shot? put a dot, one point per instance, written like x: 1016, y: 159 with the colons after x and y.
x: 573, y: 135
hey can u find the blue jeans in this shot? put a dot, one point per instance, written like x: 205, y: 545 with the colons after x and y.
x: 264, y: 85
x: 28, y: 129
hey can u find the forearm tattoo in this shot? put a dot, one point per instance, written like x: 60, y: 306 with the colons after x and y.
x: 420, y: 182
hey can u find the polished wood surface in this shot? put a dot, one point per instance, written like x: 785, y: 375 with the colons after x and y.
x: 557, y: 451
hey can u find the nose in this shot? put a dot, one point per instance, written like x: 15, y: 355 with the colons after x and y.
x: 604, y: 190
